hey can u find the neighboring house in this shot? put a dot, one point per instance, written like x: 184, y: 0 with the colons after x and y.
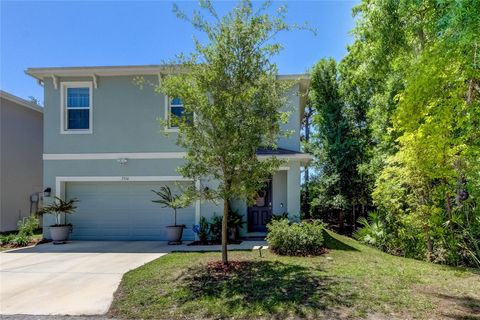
x: 104, y: 145
x: 21, y: 165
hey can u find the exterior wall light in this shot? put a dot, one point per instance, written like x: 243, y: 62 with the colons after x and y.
x: 122, y: 161
x: 47, y: 192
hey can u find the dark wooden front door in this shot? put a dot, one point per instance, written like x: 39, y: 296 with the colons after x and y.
x: 261, y: 212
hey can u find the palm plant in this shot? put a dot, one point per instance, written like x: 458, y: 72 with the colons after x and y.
x: 169, y: 200
x: 59, y: 207
x: 372, y: 231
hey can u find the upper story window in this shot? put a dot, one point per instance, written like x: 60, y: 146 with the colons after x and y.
x: 76, y: 108
x: 175, y: 110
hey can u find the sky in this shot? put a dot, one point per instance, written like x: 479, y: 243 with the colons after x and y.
x: 106, y: 33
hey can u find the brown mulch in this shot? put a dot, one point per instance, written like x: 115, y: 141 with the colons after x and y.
x: 232, y: 266
x: 34, y: 242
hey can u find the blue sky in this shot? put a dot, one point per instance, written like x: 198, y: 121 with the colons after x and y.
x: 97, y: 33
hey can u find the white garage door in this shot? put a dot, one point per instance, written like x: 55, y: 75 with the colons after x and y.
x: 123, y: 211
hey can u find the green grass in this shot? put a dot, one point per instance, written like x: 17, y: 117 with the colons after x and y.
x: 350, y: 281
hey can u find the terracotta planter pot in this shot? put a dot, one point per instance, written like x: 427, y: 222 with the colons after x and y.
x: 59, y: 234
x: 174, y: 234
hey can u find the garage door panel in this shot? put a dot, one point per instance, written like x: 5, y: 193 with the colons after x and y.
x: 122, y: 211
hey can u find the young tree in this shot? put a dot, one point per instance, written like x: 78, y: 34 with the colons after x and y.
x: 230, y: 87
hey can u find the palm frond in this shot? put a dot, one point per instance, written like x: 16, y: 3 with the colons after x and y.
x: 167, y: 198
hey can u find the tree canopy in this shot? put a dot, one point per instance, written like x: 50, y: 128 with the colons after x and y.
x: 411, y: 84
x: 230, y: 86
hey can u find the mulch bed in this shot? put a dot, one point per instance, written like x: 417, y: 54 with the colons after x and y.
x: 31, y: 243
x: 218, y: 268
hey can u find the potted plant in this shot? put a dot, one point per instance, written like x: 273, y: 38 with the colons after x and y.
x: 174, y: 202
x: 235, y: 222
x: 202, y: 230
x: 59, y: 231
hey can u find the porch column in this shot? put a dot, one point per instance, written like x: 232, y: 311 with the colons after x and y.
x: 198, y: 206
x: 293, y: 191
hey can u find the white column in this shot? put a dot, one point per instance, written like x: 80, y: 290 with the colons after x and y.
x: 293, y: 191
x: 198, y: 206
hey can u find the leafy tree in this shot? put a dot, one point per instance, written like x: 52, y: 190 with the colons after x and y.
x: 335, y: 145
x: 306, y: 134
x: 417, y: 71
x: 230, y: 85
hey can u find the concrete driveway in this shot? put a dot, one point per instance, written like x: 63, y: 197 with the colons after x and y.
x: 78, y: 278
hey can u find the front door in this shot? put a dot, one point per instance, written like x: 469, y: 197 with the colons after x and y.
x: 261, y: 212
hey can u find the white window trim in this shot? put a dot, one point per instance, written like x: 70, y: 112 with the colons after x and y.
x: 167, y: 116
x: 63, y: 106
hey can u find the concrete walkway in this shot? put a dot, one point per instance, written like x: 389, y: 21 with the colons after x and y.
x: 78, y: 278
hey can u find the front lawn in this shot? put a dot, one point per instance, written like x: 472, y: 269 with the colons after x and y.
x: 350, y: 281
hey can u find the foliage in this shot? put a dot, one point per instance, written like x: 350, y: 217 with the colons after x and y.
x: 352, y: 281
x: 7, y: 238
x: 202, y: 229
x: 295, y: 239
x: 337, y: 145
x: 280, y: 216
x: 235, y: 219
x: 59, y: 208
x: 213, y: 230
x: 169, y: 200
x: 230, y: 84
x: 21, y: 240
x: 372, y: 231
x: 216, y: 228
x: 24, y: 236
x: 27, y: 226
x: 414, y: 70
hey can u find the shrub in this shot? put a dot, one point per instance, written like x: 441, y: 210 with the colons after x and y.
x: 216, y: 228
x: 26, y: 229
x: 27, y: 226
x: 235, y: 219
x: 372, y: 231
x: 6, y: 238
x: 202, y: 230
x: 21, y: 240
x: 295, y: 239
x: 280, y: 216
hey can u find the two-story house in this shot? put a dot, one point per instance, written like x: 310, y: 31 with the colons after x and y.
x: 105, y: 146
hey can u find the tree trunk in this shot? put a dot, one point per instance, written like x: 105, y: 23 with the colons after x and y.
x: 225, y: 232
x: 353, y: 218
x: 429, y: 243
x: 448, y: 206
x: 341, y: 222
x: 306, y: 198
